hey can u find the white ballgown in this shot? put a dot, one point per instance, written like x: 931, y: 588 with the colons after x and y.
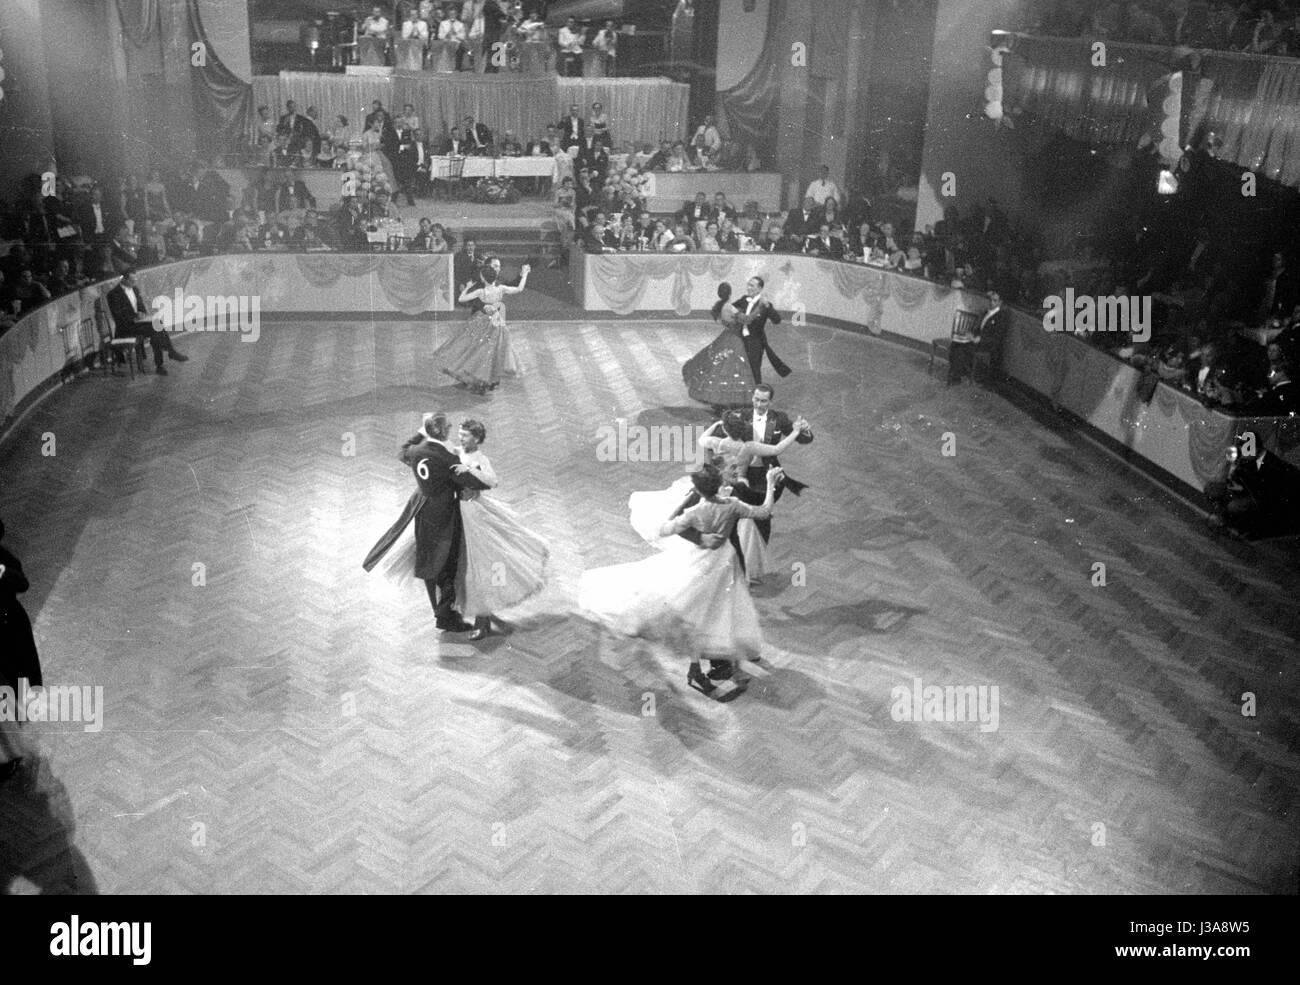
x: 688, y: 596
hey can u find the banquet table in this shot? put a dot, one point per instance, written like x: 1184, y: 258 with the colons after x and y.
x: 495, y: 167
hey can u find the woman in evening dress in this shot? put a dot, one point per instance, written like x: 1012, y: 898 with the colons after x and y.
x: 481, y: 354
x: 719, y: 375
x: 503, y: 562
x: 723, y: 447
x: 693, y: 597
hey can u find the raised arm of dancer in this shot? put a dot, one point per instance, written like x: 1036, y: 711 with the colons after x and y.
x: 744, y: 510
x: 523, y: 281
x: 762, y: 449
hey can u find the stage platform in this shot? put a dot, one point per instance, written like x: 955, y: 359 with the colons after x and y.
x: 329, y: 740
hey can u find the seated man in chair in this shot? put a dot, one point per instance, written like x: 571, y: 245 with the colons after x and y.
x: 132, y: 319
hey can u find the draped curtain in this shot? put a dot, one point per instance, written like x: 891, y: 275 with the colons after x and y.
x: 747, y: 111
x: 1056, y: 83
x: 1251, y: 101
x: 1253, y: 104
x: 223, y: 103
x: 639, y: 110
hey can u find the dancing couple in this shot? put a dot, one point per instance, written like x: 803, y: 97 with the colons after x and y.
x: 711, y: 530
x: 725, y: 372
x: 474, y: 555
x: 481, y: 354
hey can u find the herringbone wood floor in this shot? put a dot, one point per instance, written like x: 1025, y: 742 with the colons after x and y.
x: 297, y: 726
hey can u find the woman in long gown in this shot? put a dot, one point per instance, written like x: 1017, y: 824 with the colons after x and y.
x: 503, y: 562
x: 480, y: 355
x: 733, y: 455
x: 719, y: 375
x: 372, y: 151
x: 694, y: 597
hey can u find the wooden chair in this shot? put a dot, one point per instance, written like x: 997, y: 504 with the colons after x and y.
x: 963, y: 323
x: 128, y: 347
x: 455, y: 172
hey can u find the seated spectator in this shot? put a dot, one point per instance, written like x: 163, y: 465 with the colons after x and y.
x: 773, y: 240
x: 824, y: 245
x: 510, y: 145
x: 662, y: 238
x: 914, y: 263
x: 1254, y: 495
x: 721, y: 207
x: 803, y: 222
x: 831, y: 216
x: 644, y: 156
x: 678, y: 161
x: 1143, y: 27
x: 124, y: 250
x: 696, y: 211
x: 728, y: 235
x: 1279, y: 399
x: 132, y: 319
x: 681, y: 241
x: 62, y: 280
x: 708, y: 241
x: 707, y: 142
x: 26, y: 293
x: 645, y: 232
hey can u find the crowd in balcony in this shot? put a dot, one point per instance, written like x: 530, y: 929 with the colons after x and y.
x: 1262, y: 27
x: 489, y: 34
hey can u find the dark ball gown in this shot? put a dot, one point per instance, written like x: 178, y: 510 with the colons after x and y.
x: 719, y: 375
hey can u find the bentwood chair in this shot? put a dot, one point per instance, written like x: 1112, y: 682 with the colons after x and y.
x: 963, y: 323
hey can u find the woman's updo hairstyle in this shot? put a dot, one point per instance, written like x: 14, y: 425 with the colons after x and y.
x: 707, y: 481
x: 724, y: 295
x: 476, y: 429
x: 733, y: 422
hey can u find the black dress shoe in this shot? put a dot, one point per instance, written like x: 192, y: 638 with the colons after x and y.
x: 180, y: 357
x: 459, y: 626
x: 721, y: 670
x: 161, y: 371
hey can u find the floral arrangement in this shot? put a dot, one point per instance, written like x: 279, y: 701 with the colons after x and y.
x: 371, y: 181
x: 495, y: 191
x: 629, y: 183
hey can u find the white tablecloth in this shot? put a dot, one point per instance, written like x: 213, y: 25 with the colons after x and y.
x: 496, y: 167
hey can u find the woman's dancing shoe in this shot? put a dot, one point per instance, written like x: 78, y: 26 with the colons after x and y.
x: 478, y: 633
x: 721, y: 670
x: 722, y: 691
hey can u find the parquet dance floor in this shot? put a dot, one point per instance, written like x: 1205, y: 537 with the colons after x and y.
x: 280, y: 721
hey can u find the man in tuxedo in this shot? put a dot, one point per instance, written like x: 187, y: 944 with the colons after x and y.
x: 410, y: 156
x: 455, y: 145
x: 722, y: 207
x: 296, y: 127
x: 770, y: 426
x: 1254, y: 495
x: 132, y: 319
x: 803, y: 222
x: 991, y: 331
x: 755, y: 312
x: 95, y: 220
x: 464, y: 266
x: 478, y: 137
x: 728, y: 235
x: 593, y: 156
x: 824, y: 244
x: 573, y: 128
x: 697, y: 211
x: 659, y: 159
x: 439, y: 533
